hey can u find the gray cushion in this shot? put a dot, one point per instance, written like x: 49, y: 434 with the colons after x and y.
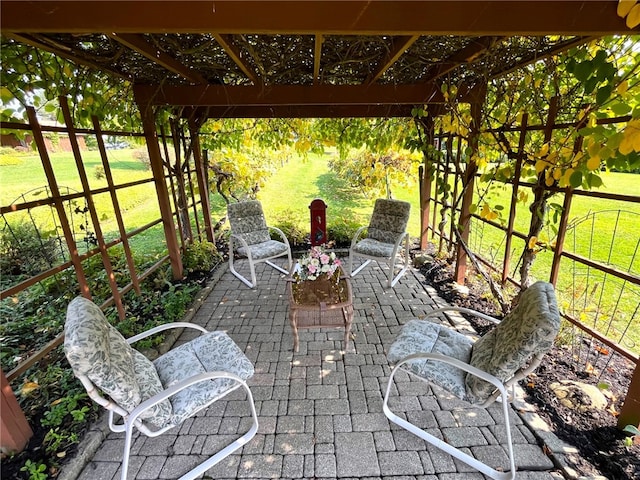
x: 389, y: 220
x: 247, y: 221
x: 421, y: 336
x: 530, y: 328
x: 95, y: 349
x: 214, y: 351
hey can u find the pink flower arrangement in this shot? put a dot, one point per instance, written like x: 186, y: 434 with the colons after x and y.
x: 315, y: 264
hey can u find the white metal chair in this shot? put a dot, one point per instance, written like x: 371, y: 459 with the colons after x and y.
x: 250, y: 238
x: 154, y: 396
x: 385, y: 233
x: 478, y: 372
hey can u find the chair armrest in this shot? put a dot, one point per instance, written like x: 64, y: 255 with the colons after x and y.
x: 238, y: 238
x: 166, y: 326
x: 462, y: 310
x: 187, y: 382
x: 285, y: 240
x: 438, y: 357
x: 356, y: 237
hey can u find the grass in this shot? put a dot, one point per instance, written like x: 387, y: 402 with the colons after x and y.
x: 603, y: 230
x: 287, y: 195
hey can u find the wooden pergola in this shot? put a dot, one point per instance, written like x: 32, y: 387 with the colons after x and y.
x: 312, y: 58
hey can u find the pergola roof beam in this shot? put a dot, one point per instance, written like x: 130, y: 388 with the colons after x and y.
x: 139, y: 44
x: 467, y: 54
x: 400, y: 46
x: 45, y: 45
x: 288, y: 95
x: 317, y: 56
x: 226, y: 42
x: 356, y: 17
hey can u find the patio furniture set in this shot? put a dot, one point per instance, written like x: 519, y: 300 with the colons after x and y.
x: 155, y: 396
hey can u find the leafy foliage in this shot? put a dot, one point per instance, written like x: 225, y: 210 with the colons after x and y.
x: 33, y: 77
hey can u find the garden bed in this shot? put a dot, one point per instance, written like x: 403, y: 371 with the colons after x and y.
x: 600, y: 445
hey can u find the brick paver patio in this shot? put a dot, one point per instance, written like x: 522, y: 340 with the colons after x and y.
x: 320, y: 410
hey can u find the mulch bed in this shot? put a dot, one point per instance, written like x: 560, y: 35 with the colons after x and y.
x: 600, y: 444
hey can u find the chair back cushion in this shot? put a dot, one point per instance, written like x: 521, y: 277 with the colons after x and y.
x: 389, y: 220
x: 96, y: 350
x: 246, y: 220
x: 530, y: 328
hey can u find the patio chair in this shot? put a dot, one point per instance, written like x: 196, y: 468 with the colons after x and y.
x: 154, y: 396
x: 477, y: 372
x: 250, y: 238
x: 383, y: 240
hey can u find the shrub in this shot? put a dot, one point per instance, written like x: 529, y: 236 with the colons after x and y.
x: 290, y: 224
x: 200, y: 256
x: 342, y: 230
x: 26, y: 250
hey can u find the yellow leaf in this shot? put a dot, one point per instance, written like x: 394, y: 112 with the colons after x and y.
x: 532, y: 243
x: 593, y: 163
x: 557, y: 174
x: 624, y: 7
x: 633, y: 19
x: 540, y: 166
x: 549, y: 181
x: 544, y: 150
x: 564, y: 181
x: 28, y: 387
x: 623, y: 87
x: 485, y: 211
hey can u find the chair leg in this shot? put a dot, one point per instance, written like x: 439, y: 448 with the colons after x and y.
x: 232, y: 447
x: 277, y: 267
x: 359, y: 269
x: 236, y: 273
x: 127, y: 450
x: 446, y: 447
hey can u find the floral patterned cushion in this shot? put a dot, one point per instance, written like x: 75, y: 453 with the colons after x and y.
x: 530, y: 328
x: 374, y: 248
x: 389, y: 220
x: 95, y: 349
x: 262, y: 250
x: 247, y: 221
x: 214, y: 351
x: 421, y: 336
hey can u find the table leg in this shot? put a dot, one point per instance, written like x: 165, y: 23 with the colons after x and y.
x: 293, y: 319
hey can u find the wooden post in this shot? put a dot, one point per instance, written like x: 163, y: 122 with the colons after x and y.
x: 15, y: 431
x: 514, y: 198
x: 468, y: 181
x: 106, y: 261
x: 149, y: 127
x: 425, y: 173
x: 203, y: 185
x: 55, y: 194
x: 630, y: 413
x: 116, y: 206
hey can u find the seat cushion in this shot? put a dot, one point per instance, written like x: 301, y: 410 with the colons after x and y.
x: 95, y: 349
x: 374, y: 248
x: 530, y: 328
x: 421, y: 336
x: 268, y: 249
x: 214, y: 351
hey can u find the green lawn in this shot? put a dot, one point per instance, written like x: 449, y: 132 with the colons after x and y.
x: 603, y: 230
x: 608, y: 238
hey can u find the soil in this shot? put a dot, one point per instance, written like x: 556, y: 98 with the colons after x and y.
x: 600, y: 444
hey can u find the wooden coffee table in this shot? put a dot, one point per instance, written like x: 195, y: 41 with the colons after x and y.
x: 321, y: 303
